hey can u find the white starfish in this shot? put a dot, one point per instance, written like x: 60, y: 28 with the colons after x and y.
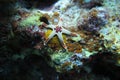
x: 58, y: 30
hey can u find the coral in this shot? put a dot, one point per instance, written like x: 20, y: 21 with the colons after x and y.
x: 76, y: 39
x: 66, y: 61
x: 31, y: 20
x: 66, y: 39
x: 86, y: 53
x: 111, y: 36
x: 95, y: 20
x: 112, y: 7
x: 88, y: 41
x: 73, y: 48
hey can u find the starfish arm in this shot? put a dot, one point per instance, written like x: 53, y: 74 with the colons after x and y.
x: 49, y: 37
x: 50, y: 26
x: 60, y: 37
x: 68, y: 32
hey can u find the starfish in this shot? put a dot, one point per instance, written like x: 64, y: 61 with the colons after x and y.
x: 58, y: 30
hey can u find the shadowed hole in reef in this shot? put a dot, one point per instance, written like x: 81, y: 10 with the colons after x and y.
x: 44, y: 19
x: 103, y: 64
x: 40, y: 4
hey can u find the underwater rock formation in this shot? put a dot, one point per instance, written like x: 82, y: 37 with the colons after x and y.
x: 57, y: 39
x: 64, y: 61
x: 95, y: 20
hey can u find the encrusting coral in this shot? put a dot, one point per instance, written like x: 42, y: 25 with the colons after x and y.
x: 94, y: 21
x: 31, y: 20
x: 111, y: 37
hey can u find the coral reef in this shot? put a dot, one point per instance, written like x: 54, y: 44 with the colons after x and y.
x: 57, y: 39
